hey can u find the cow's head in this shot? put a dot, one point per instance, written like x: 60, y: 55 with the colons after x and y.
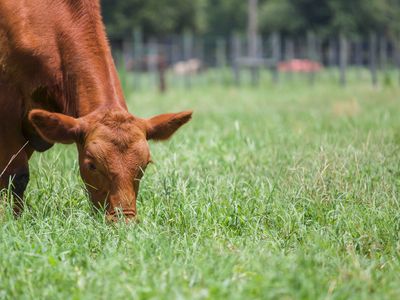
x: 113, y: 150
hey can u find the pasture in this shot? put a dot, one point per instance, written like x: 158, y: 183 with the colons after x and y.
x: 274, y: 192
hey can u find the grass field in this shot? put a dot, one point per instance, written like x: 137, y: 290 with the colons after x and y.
x: 276, y: 192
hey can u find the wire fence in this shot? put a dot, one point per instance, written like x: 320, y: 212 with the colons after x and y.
x: 186, y: 60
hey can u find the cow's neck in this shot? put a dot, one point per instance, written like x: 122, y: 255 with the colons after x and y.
x: 89, y: 78
x: 91, y: 85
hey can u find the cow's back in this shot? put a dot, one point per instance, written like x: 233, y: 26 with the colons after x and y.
x: 57, y: 44
x: 55, y: 54
x: 34, y: 35
x: 28, y: 41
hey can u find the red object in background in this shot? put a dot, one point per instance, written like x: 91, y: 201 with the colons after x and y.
x: 299, y: 66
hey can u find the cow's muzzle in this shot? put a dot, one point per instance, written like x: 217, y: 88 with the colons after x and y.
x: 127, y: 214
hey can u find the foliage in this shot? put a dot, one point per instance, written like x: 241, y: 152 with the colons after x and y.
x: 153, y: 16
x: 276, y: 192
x: 222, y: 17
x: 225, y: 16
x: 331, y: 16
x: 274, y: 16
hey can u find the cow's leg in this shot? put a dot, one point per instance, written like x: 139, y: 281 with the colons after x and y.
x: 14, y: 168
x: 14, y: 150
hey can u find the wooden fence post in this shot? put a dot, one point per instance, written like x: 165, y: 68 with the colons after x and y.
x: 236, y: 54
x: 137, y: 55
x: 152, y: 61
x: 397, y: 53
x: 199, y: 54
x: 161, y: 67
x: 127, y: 53
x: 332, y: 53
x: 343, y: 44
x: 311, y: 53
x: 199, y: 49
x: 372, y: 58
x: 383, y: 48
x: 252, y: 37
x: 276, y: 54
x: 187, y: 53
x: 176, y: 50
x: 359, y: 55
x: 221, y: 57
x: 289, y: 53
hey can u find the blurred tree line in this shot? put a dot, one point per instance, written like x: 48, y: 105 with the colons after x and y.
x: 222, y: 17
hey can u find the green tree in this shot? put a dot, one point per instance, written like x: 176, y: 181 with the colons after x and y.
x: 282, y: 16
x: 222, y: 17
x: 225, y: 16
x: 364, y: 16
x: 154, y: 17
x: 330, y: 16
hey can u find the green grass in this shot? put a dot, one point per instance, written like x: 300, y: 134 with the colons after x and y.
x: 276, y: 192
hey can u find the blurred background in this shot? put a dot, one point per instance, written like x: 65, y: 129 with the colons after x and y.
x: 180, y: 43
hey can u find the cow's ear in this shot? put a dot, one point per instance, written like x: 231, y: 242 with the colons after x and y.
x: 55, y: 127
x: 161, y: 127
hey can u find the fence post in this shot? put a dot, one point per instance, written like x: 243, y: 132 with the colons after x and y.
x: 276, y: 55
x: 127, y: 52
x: 199, y: 54
x: 372, y: 58
x: 289, y: 53
x: 199, y: 49
x: 252, y: 37
x: 236, y: 54
x: 161, y: 67
x: 187, y: 53
x: 397, y: 41
x: 359, y: 55
x: 137, y: 55
x: 332, y: 52
x: 343, y: 44
x: 383, y: 48
x: 152, y: 61
x: 176, y: 54
x: 221, y: 56
x: 311, y: 49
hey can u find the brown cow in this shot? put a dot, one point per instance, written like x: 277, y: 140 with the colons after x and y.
x: 58, y: 84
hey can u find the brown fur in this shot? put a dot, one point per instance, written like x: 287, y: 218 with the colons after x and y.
x: 58, y: 84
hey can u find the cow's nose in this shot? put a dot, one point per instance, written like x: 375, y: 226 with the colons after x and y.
x: 127, y: 215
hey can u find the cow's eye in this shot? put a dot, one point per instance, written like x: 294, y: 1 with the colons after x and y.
x: 92, y: 167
